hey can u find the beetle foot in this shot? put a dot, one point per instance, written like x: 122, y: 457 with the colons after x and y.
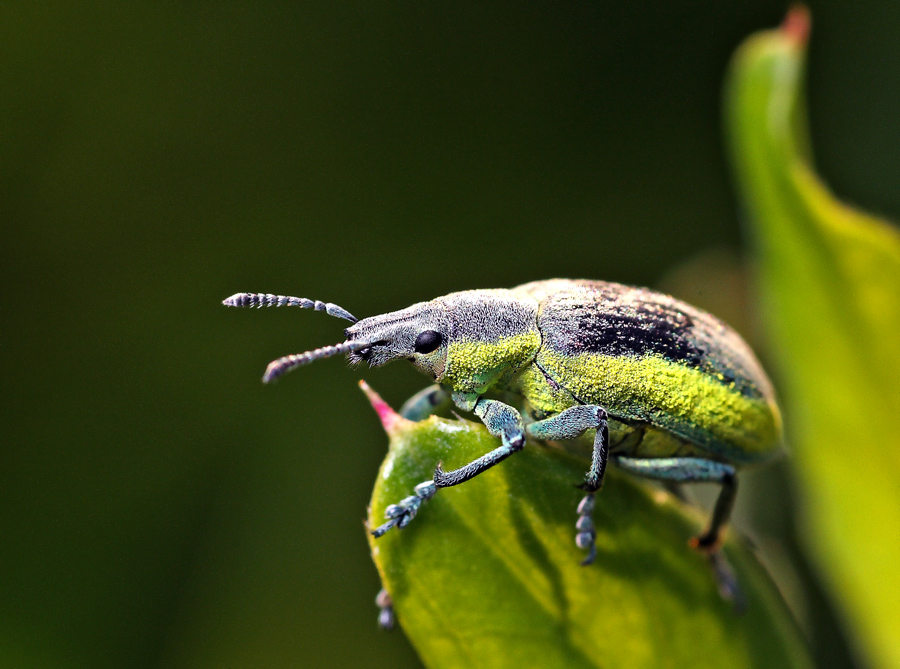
x: 709, y: 545
x: 399, y: 515
x: 586, y: 538
x: 386, y: 618
x: 727, y: 582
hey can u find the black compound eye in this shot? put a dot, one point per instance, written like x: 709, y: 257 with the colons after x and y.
x: 427, y: 341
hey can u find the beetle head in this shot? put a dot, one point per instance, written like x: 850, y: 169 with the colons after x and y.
x: 419, y: 333
x: 468, y: 340
x: 493, y: 332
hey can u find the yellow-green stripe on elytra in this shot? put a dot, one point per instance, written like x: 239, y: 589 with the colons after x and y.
x: 686, y: 400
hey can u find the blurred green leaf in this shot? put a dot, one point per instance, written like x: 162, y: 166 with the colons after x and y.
x: 831, y: 286
x: 488, y: 573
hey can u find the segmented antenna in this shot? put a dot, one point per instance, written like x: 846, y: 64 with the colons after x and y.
x: 278, y: 367
x: 260, y: 300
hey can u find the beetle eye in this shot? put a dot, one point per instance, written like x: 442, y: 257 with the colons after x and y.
x: 427, y: 341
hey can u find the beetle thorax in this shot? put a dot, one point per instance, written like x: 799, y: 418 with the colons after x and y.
x: 493, y: 335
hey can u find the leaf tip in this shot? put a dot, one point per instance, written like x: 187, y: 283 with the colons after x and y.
x: 796, y: 25
x: 390, y: 419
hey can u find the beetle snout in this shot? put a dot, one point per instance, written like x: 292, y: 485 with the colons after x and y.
x: 369, y: 353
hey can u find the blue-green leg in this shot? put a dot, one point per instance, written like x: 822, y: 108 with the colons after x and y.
x: 400, y: 514
x: 699, y: 470
x: 418, y: 407
x: 426, y: 402
x: 569, y: 424
x: 692, y: 470
x: 501, y: 420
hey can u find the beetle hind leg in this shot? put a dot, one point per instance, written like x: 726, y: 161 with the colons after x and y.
x: 692, y: 470
x: 710, y: 540
x: 569, y: 424
x: 699, y: 470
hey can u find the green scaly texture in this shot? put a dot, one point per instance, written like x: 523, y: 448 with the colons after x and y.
x: 475, y: 366
x: 685, y: 400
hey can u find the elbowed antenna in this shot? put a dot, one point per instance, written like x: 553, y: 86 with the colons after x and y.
x: 260, y: 300
x: 278, y: 367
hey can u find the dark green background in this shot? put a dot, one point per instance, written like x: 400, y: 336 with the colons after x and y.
x: 158, y: 505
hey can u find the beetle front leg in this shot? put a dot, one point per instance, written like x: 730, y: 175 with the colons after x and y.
x: 569, y: 424
x: 501, y: 420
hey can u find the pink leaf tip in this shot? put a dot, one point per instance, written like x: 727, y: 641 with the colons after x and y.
x: 796, y: 25
x: 390, y: 419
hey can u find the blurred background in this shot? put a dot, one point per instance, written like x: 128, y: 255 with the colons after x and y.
x: 160, y: 506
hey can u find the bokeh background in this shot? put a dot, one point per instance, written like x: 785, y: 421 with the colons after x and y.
x: 158, y: 505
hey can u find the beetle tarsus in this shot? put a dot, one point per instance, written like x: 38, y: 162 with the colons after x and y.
x: 401, y: 514
x: 726, y: 581
x: 386, y: 617
x: 707, y: 543
x: 586, y: 538
x: 382, y: 529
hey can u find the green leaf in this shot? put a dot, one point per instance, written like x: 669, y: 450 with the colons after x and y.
x: 488, y: 572
x: 831, y: 286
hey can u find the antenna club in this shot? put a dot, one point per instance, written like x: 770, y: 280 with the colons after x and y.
x: 236, y: 300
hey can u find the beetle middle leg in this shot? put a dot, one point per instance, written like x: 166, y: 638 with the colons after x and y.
x: 569, y: 424
x: 501, y: 420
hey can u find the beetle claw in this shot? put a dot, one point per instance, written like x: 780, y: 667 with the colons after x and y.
x: 591, y: 556
x: 727, y: 582
x: 706, y: 543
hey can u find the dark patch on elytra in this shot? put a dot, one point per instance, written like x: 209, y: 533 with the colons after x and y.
x: 631, y: 329
x: 615, y: 320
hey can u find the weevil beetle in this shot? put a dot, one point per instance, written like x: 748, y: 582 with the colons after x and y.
x: 663, y: 389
